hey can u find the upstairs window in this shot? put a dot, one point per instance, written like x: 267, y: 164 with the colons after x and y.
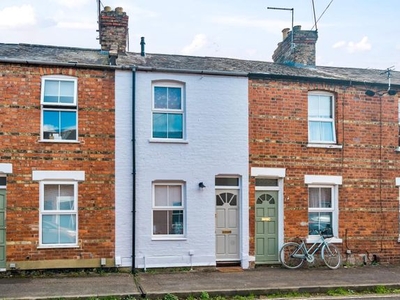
x: 168, y: 112
x: 59, y: 109
x: 321, y: 119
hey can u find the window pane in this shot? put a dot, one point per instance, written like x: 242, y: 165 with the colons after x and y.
x: 312, y: 106
x: 326, y: 197
x: 325, y: 107
x: 58, y: 197
x: 175, y: 195
x: 174, y: 98
x: 160, y: 222
x: 159, y: 125
x: 227, y: 181
x: 160, y: 97
x: 319, y: 223
x: 68, y: 125
x: 313, y: 197
x: 168, y: 222
x: 3, y: 180
x: 161, y: 195
x: 50, y: 124
x: 175, y: 126
x: 66, y: 92
x: 51, y: 91
x: 59, y: 229
x: 266, y: 182
x: 326, y: 131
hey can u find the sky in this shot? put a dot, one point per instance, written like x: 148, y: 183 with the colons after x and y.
x: 351, y: 33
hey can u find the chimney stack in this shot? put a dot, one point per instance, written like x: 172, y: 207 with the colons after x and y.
x: 297, y: 48
x: 113, y: 30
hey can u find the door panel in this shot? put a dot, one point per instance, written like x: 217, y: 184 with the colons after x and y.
x: 227, y: 225
x: 266, y: 226
x: 2, y: 229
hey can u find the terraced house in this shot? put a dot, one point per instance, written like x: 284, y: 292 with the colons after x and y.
x: 129, y: 159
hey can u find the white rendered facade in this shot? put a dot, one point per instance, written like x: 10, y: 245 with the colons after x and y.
x: 214, y: 144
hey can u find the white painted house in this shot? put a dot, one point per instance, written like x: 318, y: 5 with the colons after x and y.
x: 191, y: 168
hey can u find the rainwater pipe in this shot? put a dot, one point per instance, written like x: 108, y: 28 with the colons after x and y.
x: 133, y: 170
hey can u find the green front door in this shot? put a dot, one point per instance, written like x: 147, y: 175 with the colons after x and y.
x: 266, y: 238
x: 2, y: 229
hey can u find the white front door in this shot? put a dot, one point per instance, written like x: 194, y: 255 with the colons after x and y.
x: 227, y: 225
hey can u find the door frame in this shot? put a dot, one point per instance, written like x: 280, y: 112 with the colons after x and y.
x: 272, y: 173
x: 221, y: 188
x: 5, y: 168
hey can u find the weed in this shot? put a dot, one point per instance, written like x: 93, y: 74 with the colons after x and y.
x: 380, y: 289
x: 204, y: 296
x: 170, y: 297
x: 339, y: 292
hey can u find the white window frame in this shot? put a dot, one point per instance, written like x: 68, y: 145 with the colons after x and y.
x: 59, y: 107
x: 57, y: 212
x: 325, y: 181
x: 170, y: 236
x: 317, y: 119
x: 181, y: 111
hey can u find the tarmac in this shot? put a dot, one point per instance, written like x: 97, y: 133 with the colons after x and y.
x: 226, y: 281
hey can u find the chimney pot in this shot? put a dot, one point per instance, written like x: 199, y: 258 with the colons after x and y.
x: 107, y: 8
x: 119, y: 10
x: 285, y: 33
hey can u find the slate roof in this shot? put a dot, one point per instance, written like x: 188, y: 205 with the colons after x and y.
x: 97, y: 58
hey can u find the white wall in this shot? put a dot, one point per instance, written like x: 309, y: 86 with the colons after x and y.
x: 216, y: 109
x: 124, y: 168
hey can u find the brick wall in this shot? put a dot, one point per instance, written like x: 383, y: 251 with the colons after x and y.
x: 20, y: 113
x: 367, y: 161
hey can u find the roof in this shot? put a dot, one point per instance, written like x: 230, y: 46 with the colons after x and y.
x: 42, y: 54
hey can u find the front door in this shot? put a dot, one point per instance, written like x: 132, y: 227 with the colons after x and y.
x: 266, y: 226
x: 227, y: 225
x: 2, y: 230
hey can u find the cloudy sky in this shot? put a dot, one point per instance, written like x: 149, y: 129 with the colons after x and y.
x: 352, y: 33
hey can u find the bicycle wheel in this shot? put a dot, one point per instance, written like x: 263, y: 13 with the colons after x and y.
x: 331, y: 256
x: 291, y: 255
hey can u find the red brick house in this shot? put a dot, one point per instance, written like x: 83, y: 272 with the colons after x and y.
x: 56, y: 164
x: 323, y: 156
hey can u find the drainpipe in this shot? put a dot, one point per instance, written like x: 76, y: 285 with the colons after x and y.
x: 133, y: 171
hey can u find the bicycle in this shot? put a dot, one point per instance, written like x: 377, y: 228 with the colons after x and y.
x: 293, y: 255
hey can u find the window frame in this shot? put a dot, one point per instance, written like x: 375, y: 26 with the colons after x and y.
x: 182, y: 207
x: 322, y: 181
x: 58, y: 107
x: 181, y: 111
x: 57, y: 212
x: 331, y: 120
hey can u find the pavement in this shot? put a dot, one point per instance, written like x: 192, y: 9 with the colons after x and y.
x: 226, y: 281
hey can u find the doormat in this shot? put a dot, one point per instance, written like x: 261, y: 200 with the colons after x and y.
x: 229, y: 269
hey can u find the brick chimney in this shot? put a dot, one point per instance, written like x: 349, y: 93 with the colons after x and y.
x: 113, y: 28
x: 297, y: 48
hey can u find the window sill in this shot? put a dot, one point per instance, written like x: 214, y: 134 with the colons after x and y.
x: 397, y: 149
x: 168, y: 238
x: 328, y: 146
x: 169, y: 141
x: 57, y: 246
x: 60, y: 141
x: 313, y: 239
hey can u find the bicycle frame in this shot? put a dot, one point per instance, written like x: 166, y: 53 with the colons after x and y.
x: 317, y: 245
